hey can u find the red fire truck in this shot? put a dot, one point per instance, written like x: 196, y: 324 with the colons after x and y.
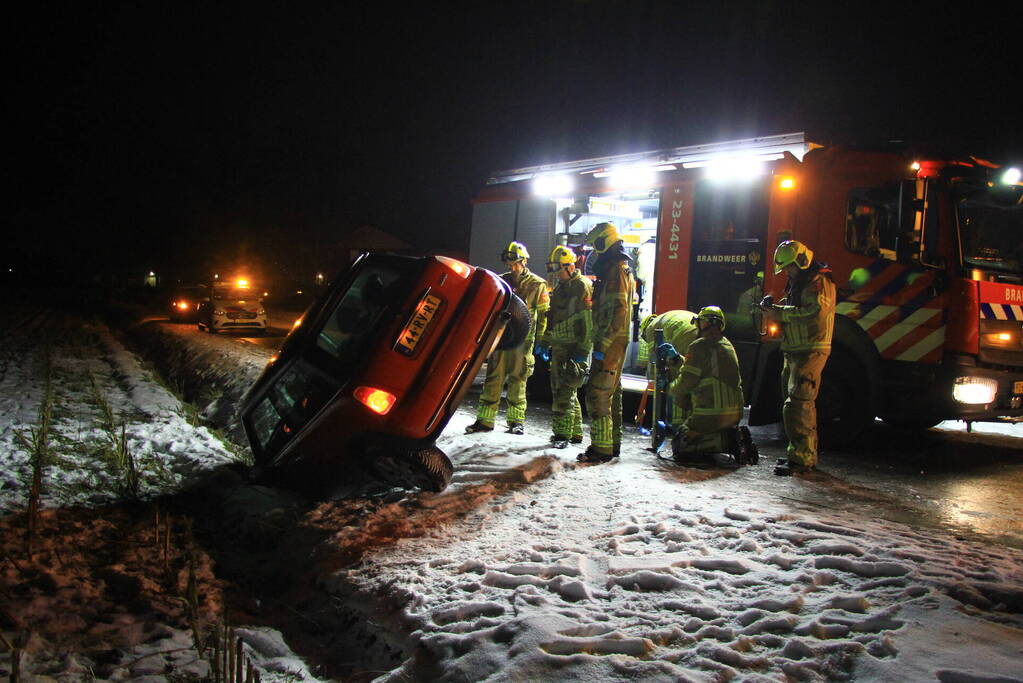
x: 926, y: 252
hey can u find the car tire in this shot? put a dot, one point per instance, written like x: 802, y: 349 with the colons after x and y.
x: 428, y: 469
x: 843, y: 403
x: 518, y: 326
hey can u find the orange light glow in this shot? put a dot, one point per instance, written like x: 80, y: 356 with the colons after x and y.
x: 273, y: 359
x: 915, y: 165
x: 461, y: 269
x: 298, y: 321
x: 241, y: 282
x: 377, y: 400
x: 183, y: 305
x: 1004, y: 336
x: 787, y: 183
x: 772, y: 330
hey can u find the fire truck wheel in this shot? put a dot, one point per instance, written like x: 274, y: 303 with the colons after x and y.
x: 843, y: 404
x: 428, y: 468
x: 518, y: 326
x: 911, y: 424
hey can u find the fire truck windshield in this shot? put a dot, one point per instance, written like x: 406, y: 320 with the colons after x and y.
x: 991, y: 228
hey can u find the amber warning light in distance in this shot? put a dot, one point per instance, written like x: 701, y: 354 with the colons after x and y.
x: 377, y: 400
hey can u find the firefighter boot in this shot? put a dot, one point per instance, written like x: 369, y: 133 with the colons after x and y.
x: 478, y: 426
x: 516, y: 428
x: 559, y: 441
x: 790, y: 468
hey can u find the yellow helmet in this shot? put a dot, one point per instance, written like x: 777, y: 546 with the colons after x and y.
x: 602, y: 236
x: 561, y: 256
x: 712, y: 314
x: 791, y: 251
x: 648, y: 322
x: 516, y: 251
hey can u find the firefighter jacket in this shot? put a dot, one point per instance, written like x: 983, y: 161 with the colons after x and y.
x: 807, y: 312
x: 710, y: 379
x: 613, y: 293
x: 532, y: 289
x: 570, y: 319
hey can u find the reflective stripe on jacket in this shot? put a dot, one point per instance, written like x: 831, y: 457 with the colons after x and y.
x: 570, y: 319
x: 711, y: 377
x: 808, y: 316
x: 533, y: 291
x: 612, y: 313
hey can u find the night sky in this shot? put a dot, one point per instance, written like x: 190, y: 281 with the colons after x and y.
x: 153, y: 135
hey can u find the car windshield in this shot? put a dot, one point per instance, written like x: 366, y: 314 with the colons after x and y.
x: 354, y: 317
x: 230, y: 292
x: 991, y: 228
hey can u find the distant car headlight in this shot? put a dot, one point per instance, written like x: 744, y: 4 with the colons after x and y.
x: 261, y: 311
x: 974, y: 390
x: 219, y: 312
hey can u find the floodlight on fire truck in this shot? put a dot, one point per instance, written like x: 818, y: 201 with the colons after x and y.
x: 1011, y: 176
x: 552, y: 185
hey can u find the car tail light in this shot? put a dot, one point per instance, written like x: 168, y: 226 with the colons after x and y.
x: 462, y: 270
x: 377, y: 400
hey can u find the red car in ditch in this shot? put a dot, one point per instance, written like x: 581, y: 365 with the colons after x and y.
x: 373, y: 371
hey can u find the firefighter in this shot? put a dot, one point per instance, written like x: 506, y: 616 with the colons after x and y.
x: 708, y: 389
x: 612, y: 321
x: 680, y: 330
x: 807, y: 316
x: 515, y: 365
x: 566, y: 344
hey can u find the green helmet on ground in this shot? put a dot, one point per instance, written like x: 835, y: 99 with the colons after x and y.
x: 713, y: 315
x: 792, y: 251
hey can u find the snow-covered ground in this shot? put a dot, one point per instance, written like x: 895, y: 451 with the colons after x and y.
x: 531, y: 567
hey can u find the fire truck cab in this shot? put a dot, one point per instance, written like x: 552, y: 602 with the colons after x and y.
x: 926, y: 251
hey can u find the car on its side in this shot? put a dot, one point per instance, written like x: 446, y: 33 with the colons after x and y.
x: 232, y: 305
x: 375, y: 369
x: 184, y: 303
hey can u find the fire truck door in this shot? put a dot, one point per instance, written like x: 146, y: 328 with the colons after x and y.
x: 729, y: 274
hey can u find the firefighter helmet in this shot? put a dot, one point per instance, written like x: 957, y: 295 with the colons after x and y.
x: 603, y: 236
x: 647, y: 325
x: 791, y: 251
x: 561, y: 256
x: 713, y: 315
x: 516, y: 251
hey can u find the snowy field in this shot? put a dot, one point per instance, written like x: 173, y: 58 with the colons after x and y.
x: 531, y: 567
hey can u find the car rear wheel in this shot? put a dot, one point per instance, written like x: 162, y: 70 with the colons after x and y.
x: 427, y: 468
x: 517, y: 329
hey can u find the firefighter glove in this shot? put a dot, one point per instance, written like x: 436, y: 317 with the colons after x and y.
x: 598, y: 355
x: 581, y: 358
x: 544, y: 352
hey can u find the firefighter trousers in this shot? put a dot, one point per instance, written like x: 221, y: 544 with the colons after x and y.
x: 800, y: 382
x: 567, y: 377
x: 512, y: 367
x: 604, y: 401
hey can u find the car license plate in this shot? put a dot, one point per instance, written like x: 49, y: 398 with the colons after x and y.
x: 417, y: 326
x: 1017, y: 387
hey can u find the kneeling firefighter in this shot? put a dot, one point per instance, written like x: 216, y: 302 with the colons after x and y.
x: 679, y: 329
x: 709, y: 387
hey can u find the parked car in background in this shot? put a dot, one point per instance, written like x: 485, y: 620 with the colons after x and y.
x: 232, y: 305
x: 184, y: 303
x: 375, y: 369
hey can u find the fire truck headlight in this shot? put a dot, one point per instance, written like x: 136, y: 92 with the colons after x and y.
x: 974, y: 390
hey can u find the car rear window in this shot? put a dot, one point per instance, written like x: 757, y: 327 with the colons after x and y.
x: 355, y: 316
x: 297, y: 394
